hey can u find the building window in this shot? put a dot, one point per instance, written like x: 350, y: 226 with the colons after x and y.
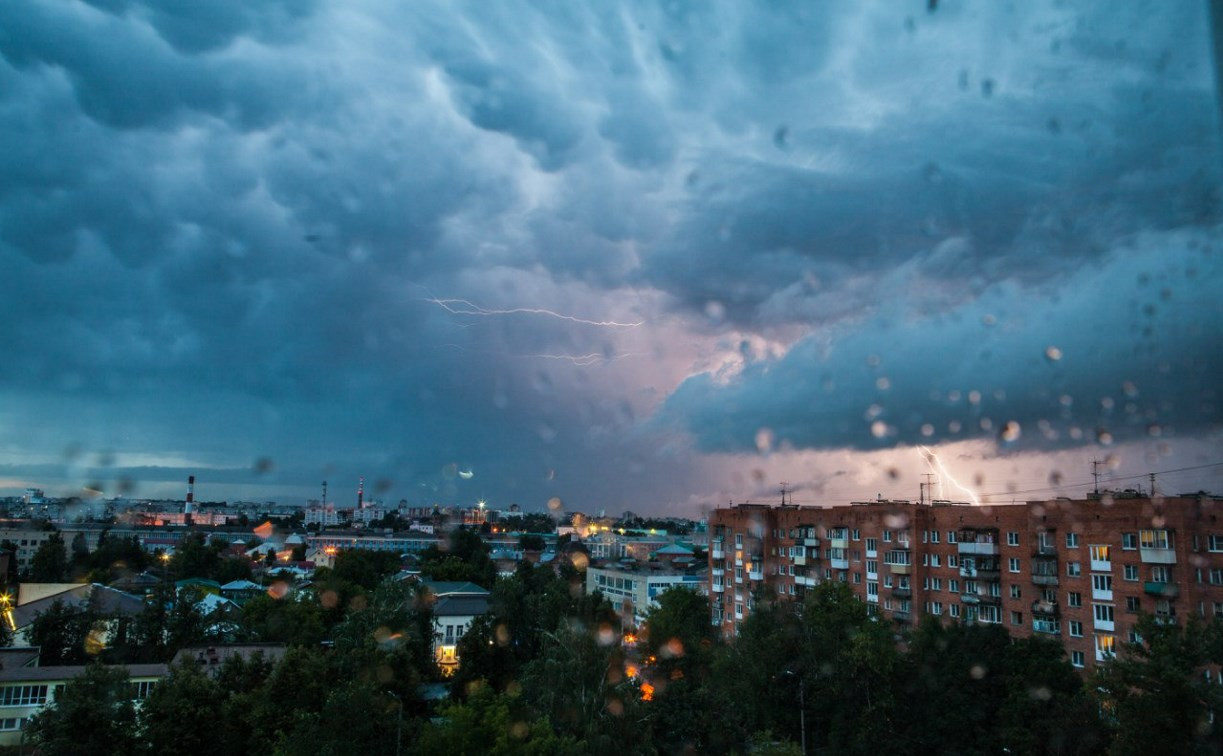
x: 1159, y: 574
x: 1016, y: 591
x: 989, y: 614
x: 1103, y: 583
x: 1129, y: 541
x: 1074, y: 569
x: 857, y: 534
x: 1105, y: 647
x: 934, y: 560
x: 1072, y: 540
x: 1012, y: 538
x: 953, y: 560
x: 954, y: 610
x: 1154, y: 539
x: 872, y: 566
x: 1100, y: 554
x: 951, y: 536
x: 1216, y: 576
x: 953, y: 585
x: 1103, y: 612
x: 1074, y: 598
x: 1016, y: 618
x: 1076, y: 659
x: 23, y: 695
x: 738, y: 540
x: 872, y: 588
x: 1014, y: 564
x: 1130, y: 572
x: 887, y: 536
x: 872, y: 546
x: 1132, y: 604
x: 1075, y: 628
x: 936, y: 608
x: 857, y: 578
x: 936, y: 584
x: 1218, y: 607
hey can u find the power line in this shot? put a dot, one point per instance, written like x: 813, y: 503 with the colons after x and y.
x: 1110, y: 480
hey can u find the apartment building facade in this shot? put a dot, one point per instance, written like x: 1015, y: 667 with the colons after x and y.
x: 1077, y: 571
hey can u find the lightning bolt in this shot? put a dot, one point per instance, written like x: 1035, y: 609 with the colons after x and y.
x: 930, y: 455
x: 465, y: 307
x: 583, y: 360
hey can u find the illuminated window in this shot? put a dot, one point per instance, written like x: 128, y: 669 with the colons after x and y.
x: 1105, y: 647
x: 1154, y: 539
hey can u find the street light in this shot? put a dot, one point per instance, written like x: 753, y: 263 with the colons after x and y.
x: 802, y: 708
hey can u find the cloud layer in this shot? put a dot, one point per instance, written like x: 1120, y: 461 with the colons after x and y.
x: 577, y: 249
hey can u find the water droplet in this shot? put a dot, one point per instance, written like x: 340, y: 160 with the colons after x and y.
x: 1052, y: 353
x: 927, y: 430
x: 1010, y: 432
x: 1055, y: 478
x: 879, y: 429
x: 555, y: 504
x: 882, y: 383
x: 977, y: 672
x: 974, y: 397
x: 764, y: 440
x: 953, y: 426
x: 1103, y: 437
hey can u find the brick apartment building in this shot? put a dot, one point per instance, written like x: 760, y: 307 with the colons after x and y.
x: 1077, y: 571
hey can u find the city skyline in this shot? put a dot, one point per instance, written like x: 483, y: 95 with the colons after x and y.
x: 638, y: 257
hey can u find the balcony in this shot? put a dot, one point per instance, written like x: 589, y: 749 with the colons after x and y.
x: 838, y: 564
x: 717, y: 588
x: 1169, y: 590
x: 970, y: 598
x: 718, y: 572
x: 756, y: 573
x: 808, y: 580
x: 1048, y: 627
x: 984, y: 572
x: 800, y: 558
x: 1044, y: 550
x: 978, y: 548
x: 1040, y: 606
x: 901, y: 569
x: 1157, y: 556
x: 1107, y: 625
x: 902, y: 591
x: 900, y: 615
x: 1101, y: 565
x: 811, y: 543
x: 1044, y: 578
x: 716, y: 551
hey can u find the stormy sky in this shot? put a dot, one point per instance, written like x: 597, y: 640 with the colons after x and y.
x: 651, y: 256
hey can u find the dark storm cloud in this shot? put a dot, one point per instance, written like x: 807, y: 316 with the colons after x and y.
x: 1126, y: 352
x: 224, y: 226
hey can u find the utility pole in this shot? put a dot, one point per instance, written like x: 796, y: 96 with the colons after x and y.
x: 1095, y: 473
x: 1152, y: 485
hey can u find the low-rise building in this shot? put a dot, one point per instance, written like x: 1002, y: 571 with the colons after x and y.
x: 634, y: 587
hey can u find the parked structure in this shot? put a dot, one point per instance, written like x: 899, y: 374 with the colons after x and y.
x: 1078, y: 571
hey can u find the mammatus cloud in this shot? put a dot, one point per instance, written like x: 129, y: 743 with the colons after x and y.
x: 226, y: 231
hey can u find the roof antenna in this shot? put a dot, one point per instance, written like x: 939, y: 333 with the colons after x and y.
x: 783, y: 493
x: 1095, y: 473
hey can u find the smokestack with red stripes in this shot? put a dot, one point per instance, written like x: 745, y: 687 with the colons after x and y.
x: 361, y: 494
x: 190, y: 505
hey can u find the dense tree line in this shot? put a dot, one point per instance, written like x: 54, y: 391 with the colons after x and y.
x: 546, y: 671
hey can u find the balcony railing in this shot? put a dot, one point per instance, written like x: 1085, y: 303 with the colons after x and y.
x: 983, y: 548
x: 1049, y: 627
x: 902, y: 591
x: 1044, y: 579
x: 1161, y: 589
x: 1044, y: 550
x: 1157, y: 556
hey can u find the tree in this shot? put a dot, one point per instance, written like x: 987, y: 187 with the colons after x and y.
x: 495, y: 724
x: 1157, y: 693
x: 50, y: 562
x: 92, y: 715
x: 180, y: 715
x: 62, y: 632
